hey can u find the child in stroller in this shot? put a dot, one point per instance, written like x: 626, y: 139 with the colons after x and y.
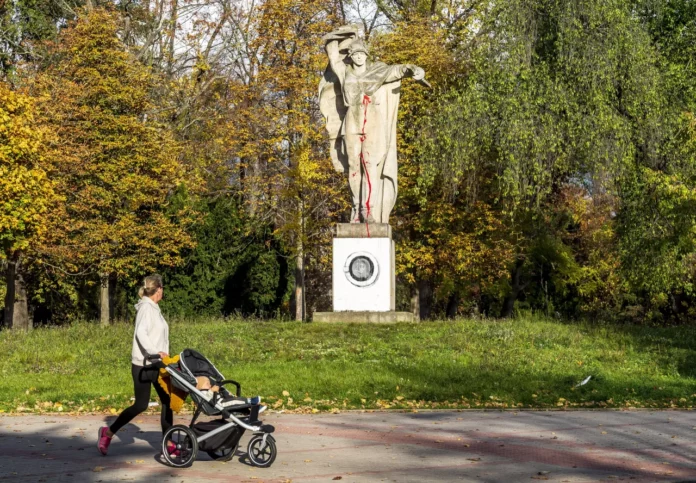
x: 218, y: 437
x: 209, y: 392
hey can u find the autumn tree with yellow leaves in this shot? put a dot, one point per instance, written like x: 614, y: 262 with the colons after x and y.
x: 27, y: 193
x: 116, y: 166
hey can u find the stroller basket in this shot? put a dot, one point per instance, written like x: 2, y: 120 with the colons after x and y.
x: 226, y: 440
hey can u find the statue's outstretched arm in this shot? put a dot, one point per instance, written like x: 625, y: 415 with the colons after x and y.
x: 399, y: 71
x: 414, y: 71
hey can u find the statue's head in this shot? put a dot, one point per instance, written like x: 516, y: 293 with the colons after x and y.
x: 357, y: 51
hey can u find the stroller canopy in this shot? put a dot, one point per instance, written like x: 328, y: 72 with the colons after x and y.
x: 195, y: 364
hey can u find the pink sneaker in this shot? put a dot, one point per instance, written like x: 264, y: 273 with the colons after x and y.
x: 103, y: 440
x: 171, y: 449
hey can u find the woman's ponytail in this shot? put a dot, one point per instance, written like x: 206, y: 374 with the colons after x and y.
x: 150, y: 285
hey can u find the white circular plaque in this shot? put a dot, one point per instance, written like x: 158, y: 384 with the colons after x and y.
x: 361, y: 269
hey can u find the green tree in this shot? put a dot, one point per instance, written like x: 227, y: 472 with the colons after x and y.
x: 557, y: 97
x: 234, y: 267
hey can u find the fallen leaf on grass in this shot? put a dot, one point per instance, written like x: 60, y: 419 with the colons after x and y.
x: 286, y: 393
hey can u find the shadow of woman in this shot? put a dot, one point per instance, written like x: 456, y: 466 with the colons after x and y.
x: 130, y: 432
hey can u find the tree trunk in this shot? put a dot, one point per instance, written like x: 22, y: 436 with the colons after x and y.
x: 415, y: 303
x: 112, y: 296
x: 106, y: 297
x: 172, y: 35
x: 425, y: 294
x: 515, y: 289
x: 16, y: 306
x: 300, y: 304
x: 452, y: 306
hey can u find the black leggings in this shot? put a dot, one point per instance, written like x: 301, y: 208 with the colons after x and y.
x: 143, y: 379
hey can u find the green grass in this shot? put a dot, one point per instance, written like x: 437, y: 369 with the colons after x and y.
x: 531, y: 363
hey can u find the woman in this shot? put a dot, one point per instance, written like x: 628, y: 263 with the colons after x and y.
x: 151, y: 336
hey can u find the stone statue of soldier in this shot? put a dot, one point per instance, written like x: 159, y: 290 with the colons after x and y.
x: 359, y: 100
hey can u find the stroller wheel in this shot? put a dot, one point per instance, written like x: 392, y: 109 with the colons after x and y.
x: 186, y: 449
x: 224, y: 454
x: 260, y: 454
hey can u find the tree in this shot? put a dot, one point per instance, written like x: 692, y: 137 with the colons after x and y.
x: 277, y: 136
x: 25, y: 25
x: 448, y: 234
x: 234, y: 267
x: 557, y: 96
x: 116, y: 166
x: 28, y: 195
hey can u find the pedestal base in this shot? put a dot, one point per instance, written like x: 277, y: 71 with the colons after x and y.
x: 363, y: 276
x: 363, y: 317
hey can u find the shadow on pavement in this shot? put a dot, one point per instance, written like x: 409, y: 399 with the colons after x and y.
x: 68, y: 452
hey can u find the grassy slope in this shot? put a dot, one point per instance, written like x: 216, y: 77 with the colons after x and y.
x: 467, y: 363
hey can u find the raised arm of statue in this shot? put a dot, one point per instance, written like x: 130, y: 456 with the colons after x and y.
x: 335, y: 44
x: 336, y: 59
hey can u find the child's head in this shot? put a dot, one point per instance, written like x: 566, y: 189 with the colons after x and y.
x: 202, y: 382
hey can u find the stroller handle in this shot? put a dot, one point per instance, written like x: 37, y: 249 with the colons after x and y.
x: 230, y: 381
x: 156, y: 360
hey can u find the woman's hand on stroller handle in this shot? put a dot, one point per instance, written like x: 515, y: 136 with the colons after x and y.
x: 156, y: 359
x: 159, y: 355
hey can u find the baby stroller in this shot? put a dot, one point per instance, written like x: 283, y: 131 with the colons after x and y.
x: 219, y: 437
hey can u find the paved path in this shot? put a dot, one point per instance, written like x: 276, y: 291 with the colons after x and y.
x: 583, y: 446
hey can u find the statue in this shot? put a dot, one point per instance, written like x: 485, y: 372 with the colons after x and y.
x: 359, y: 100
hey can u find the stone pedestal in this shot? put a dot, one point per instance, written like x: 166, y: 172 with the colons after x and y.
x: 364, y: 283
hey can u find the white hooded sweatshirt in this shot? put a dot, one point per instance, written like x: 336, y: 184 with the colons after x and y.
x: 151, y: 332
